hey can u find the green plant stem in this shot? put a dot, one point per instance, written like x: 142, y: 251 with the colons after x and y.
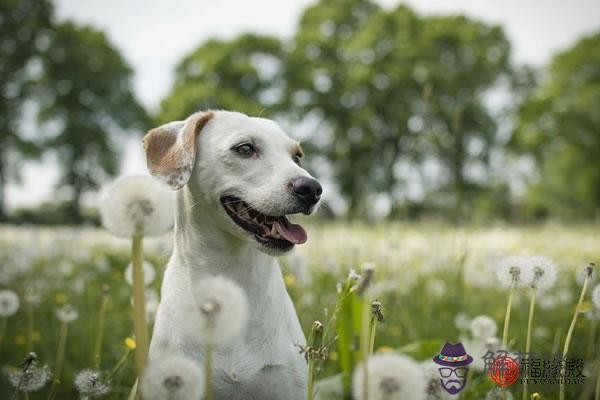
x: 372, y: 334
x: 507, y: 318
x: 365, y: 340
x: 28, y: 326
x: 208, y: 372
x: 570, y: 334
x: 315, y: 341
x: 118, y: 365
x: 3, y: 322
x: 139, y: 306
x: 60, y: 358
x: 133, y: 393
x: 529, y: 331
x: 100, y: 331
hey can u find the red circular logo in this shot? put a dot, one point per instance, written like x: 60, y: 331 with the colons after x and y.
x: 504, y: 371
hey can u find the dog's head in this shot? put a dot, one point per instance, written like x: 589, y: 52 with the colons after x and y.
x: 247, y: 168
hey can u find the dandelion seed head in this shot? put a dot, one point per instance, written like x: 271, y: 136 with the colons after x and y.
x: 390, y: 376
x: 9, y: 303
x: 149, y: 273
x: 219, y: 310
x: 542, y: 272
x: 89, y: 384
x: 67, y: 313
x: 433, y: 389
x: 596, y: 296
x: 172, y: 377
x: 31, y: 380
x: 137, y: 205
x: 512, y: 271
x: 483, y: 327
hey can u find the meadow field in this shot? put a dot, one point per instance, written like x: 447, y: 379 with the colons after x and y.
x: 432, y: 280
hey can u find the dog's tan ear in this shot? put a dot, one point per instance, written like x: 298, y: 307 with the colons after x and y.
x: 171, y: 149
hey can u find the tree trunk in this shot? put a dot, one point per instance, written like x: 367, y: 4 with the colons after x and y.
x: 73, y: 208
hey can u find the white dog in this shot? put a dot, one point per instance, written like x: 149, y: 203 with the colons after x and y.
x: 222, y: 163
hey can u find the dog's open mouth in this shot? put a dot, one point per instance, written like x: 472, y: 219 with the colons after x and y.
x: 273, y: 231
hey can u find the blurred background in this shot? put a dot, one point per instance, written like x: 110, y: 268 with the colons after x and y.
x: 465, y: 111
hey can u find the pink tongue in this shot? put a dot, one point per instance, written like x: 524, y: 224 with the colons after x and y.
x: 291, y: 232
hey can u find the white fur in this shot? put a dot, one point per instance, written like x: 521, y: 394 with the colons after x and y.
x: 264, y: 363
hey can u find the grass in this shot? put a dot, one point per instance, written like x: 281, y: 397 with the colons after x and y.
x: 426, y: 276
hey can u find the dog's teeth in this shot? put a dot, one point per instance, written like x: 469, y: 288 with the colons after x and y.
x: 273, y: 230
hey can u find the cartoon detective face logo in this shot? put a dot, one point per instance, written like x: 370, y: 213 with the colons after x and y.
x: 453, y: 361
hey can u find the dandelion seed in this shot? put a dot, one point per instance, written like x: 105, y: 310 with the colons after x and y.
x: 172, y: 377
x: 542, y: 272
x: 512, y: 271
x: 220, y: 312
x: 390, y: 376
x: 9, y: 303
x: 30, y: 379
x: 483, y: 327
x: 149, y: 273
x: 67, y: 313
x: 137, y: 205
x: 89, y: 384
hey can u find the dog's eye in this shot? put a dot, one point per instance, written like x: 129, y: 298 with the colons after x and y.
x: 245, y: 149
x: 297, y: 159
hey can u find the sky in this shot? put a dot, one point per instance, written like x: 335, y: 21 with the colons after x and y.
x: 153, y: 35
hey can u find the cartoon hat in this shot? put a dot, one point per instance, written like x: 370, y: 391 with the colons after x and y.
x: 453, y: 355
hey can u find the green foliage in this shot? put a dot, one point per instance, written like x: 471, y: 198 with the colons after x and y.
x: 558, y: 125
x: 241, y: 75
x: 86, y: 96
x: 24, y: 30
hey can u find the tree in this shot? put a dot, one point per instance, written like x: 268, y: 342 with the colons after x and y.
x: 241, y: 74
x: 396, y: 91
x: 24, y: 30
x: 86, y: 101
x: 559, y: 125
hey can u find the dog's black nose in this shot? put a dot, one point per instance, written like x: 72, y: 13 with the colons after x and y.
x: 308, y: 190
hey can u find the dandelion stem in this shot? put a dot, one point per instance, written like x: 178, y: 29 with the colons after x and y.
x: 118, y: 365
x: 570, y: 333
x: 365, y: 340
x: 208, y: 372
x: 60, y: 358
x: 507, y: 318
x: 529, y: 331
x: 100, y: 330
x: 139, y: 306
x: 597, y: 394
x: 315, y: 340
x: 372, y: 334
x: 29, y: 326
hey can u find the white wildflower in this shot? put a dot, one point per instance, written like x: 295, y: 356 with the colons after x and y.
x: 89, y: 384
x: 483, y: 327
x: 172, y: 377
x: 512, y: 271
x: 149, y: 273
x: 31, y: 380
x: 353, y: 275
x: 67, y: 313
x: 435, y: 288
x: 390, y: 376
x: 137, y: 205
x: 433, y: 388
x: 219, y: 310
x: 542, y: 273
x: 596, y: 296
x: 9, y: 303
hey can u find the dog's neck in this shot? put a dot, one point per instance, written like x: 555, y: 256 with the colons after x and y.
x: 207, y: 250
